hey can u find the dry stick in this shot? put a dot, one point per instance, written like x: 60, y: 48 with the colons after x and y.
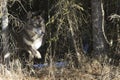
x: 22, y: 5
x: 114, y: 16
x: 118, y: 41
x: 103, y: 34
x: 74, y: 41
x: 102, y: 9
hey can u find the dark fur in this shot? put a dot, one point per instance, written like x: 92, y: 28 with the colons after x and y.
x: 33, y: 29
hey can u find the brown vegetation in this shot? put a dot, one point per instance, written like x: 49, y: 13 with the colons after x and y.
x: 68, y: 38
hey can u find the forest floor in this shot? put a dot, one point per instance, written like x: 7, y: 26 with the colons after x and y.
x: 90, y: 70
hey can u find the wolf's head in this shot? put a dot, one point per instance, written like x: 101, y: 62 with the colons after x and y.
x: 35, y: 30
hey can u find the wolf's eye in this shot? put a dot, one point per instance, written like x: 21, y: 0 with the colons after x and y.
x: 37, y: 30
x: 36, y: 23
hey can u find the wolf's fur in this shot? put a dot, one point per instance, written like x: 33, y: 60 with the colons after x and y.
x: 30, y: 37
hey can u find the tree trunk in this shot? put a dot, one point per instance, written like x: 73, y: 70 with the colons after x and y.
x: 4, y: 22
x: 98, y: 26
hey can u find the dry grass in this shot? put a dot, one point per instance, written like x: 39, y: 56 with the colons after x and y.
x: 67, y: 22
x: 89, y: 70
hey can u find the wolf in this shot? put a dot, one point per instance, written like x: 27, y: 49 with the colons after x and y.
x: 27, y: 37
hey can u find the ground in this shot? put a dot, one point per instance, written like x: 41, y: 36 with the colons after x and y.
x: 89, y: 70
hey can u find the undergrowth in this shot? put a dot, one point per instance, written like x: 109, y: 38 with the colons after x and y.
x: 91, y: 69
x: 64, y: 37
